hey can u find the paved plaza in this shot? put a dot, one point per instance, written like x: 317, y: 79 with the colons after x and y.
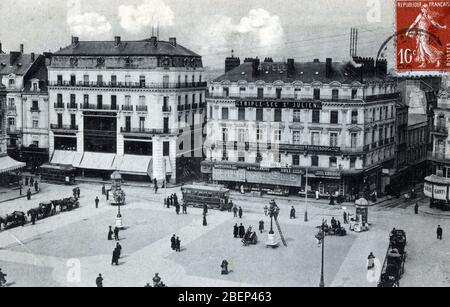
x: 71, y: 248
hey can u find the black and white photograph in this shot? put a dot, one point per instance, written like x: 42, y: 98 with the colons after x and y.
x: 204, y: 144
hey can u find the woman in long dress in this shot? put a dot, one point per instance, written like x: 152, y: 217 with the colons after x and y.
x: 425, y: 52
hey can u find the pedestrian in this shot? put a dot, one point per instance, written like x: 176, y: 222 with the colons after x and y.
x: 33, y: 218
x: 110, y: 234
x: 205, y: 209
x: 178, y: 245
x: 74, y: 191
x: 185, y: 208
x: 103, y: 190
x: 177, y: 209
x: 156, y: 279
x: 26, y: 181
x: 292, y: 213
x: 235, y: 210
x: 99, y: 281
x: 96, y: 202
x: 317, y: 195
x: 236, y: 231
x: 115, y: 257
x: 241, y: 231
x: 175, y: 198
x: 29, y: 194
x: 20, y: 189
x: 240, y: 212
x: 230, y: 205
x: 266, y: 209
x: 370, y: 261
x: 172, y: 200
x: 119, y: 249
x: 261, y: 226
x: 224, y: 267
x: 78, y: 192
x: 416, y: 209
x: 173, y: 242
x: 439, y: 232
x: 116, y: 234
x: 36, y: 186
x: 156, y: 189
x: 165, y: 203
x: 31, y: 181
x: 205, y: 223
x: 345, y: 218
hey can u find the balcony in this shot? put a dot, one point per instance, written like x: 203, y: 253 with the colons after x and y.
x: 202, y: 105
x: 187, y: 107
x: 374, y: 145
x: 180, y: 108
x: 127, y: 108
x: 439, y: 130
x: 59, y: 106
x: 162, y: 85
x: 64, y: 128
x: 35, y: 110
x: 166, y: 109
x: 141, y: 109
x: 355, y: 150
x: 13, y: 131
x: 72, y: 106
x: 195, y: 106
x: 380, y: 143
x: 102, y: 107
x: 146, y: 131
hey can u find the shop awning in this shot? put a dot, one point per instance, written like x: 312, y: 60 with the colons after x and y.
x: 97, y: 161
x: 168, y: 165
x: 8, y: 164
x: 133, y: 165
x: 63, y: 157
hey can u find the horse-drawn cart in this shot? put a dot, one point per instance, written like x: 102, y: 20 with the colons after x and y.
x: 17, y: 218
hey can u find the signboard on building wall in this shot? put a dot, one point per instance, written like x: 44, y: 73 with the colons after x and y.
x: 435, y: 191
x: 278, y: 104
x: 235, y: 175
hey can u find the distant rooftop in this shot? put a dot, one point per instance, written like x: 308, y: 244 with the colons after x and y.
x: 20, y: 63
x: 414, y: 119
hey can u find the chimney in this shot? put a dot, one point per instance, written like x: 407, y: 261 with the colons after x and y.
x: 21, y: 48
x: 290, y: 67
x: 173, y: 41
x: 1, y: 51
x: 154, y: 41
x: 48, y: 58
x: 231, y: 62
x: 316, y: 61
x: 75, y: 41
x: 381, y: 68
x: 255, y: 67
x: 33, y: 57
x: 329, y: 68
x: 116, y: 41
x: 268, y: 60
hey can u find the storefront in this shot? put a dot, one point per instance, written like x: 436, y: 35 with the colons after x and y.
x: 437, y: 189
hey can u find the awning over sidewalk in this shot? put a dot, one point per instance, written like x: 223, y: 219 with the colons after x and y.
x: 97, y: 161
x: 168, y: 165
x: 8, y: 164
x: 63, y: 157
x: 134, y: 165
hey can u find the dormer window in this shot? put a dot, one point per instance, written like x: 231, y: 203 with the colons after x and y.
x: 12, y: 82
x: 35, y: 86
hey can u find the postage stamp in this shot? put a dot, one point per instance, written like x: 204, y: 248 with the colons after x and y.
x: 423, y: 36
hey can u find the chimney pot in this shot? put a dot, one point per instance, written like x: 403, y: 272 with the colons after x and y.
x: 33, y: 57
x: 328, y: 69
x: 21, y: 48
x: 75, y: 41
x: 117, y: 41
x: 173, y: 41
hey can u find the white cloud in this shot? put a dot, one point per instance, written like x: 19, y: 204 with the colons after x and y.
x: 89, y: 25
x: 258, y: 29
x: 136, y: 19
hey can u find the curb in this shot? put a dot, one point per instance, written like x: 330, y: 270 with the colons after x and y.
x: 15, y: 198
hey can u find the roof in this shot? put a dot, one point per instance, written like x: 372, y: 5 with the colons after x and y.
x: 126, y: 48
x: 414, y: 119
x: 40, y: 73
x: 306, y: 72
x: 206, y: 188
x: 23, y: 59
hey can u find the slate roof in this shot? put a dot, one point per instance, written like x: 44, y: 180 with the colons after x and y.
x: 126, y: 48
x: 306, y: 72
x: 6, y: 68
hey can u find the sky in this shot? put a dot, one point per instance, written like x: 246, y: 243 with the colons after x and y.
x: 299, y: 29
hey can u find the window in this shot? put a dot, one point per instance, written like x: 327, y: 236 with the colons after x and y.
x: 141, y: 123
x: 59, y: 80
x: 260, y: 93
x: 333, y: 162
x: 297, y: 114
x: 35, y: 105
x: 354, y: 93
x: 142, y: 81
x: 259, y: 135
x: 127, y: 79
x: 355, y: 117
x: 334, y: 117
x: 335, y: 94
x: 316, y: 94
x: 278, y: 93
x: 333, y: 139
x: 127, y: 123
x: 259, y: 115
x: 296, y: 137
x: 73, y: 80
x: 353, y: 140
x: 226, y: 92
x: 166, y: 149
x: 296, y: 160
x: 99, y: 80
x: 277, y: 157
x: 242, y: 135
x: 113, y: 80
x: 315, y: 138
x: 297, y: 93
x: 86, y: 80
x: 35, y: 123
x: 242, y: 92
x: 99, y: 101
x: 316, y: 116
x: 12, y: 82
x: 142, y: 101
x: 35, y: 86
x: 127, y: 100
x: 36, y: 143
x: 277, y: 116
x: 241, y: 114
x: 225, y: 135
x: 241, y: 156
x: 315, y: 161
x: 86, y: 99
x: 224, y: 113
x: 113, y: 102
x: 210, y: 111
x: 277, y: 135
x: 60, y: 120
x: 352, y: 162
x: 73, y: 121
x: 73, y: 99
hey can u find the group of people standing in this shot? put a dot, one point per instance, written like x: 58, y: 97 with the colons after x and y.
x: 175, y: 243
x: 239, y: 231
x: 172, y: 200
x: 118, y: 249
x: 237, y: 211
x: 76, y: 192
x: 31, y: 182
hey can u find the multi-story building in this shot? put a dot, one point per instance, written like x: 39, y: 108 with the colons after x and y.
x: 417, y: 148
x: 401, y: 161
x: 437, y: 185
x: 25, y: 79
x: 271, y: 122
x: 132, y: 106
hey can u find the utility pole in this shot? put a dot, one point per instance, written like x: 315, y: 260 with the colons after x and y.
x: 306, y: 196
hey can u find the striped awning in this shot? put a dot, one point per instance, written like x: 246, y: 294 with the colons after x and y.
x: 8, y: 164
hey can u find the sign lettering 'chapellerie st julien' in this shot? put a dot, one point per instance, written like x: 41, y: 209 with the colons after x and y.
x: 278, y: 104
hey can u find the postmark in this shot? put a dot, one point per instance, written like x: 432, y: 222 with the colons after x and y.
x: 423, y: 36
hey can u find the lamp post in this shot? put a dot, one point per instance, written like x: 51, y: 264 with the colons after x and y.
x: 306, y: 196
x: 322, y: 282
x: 274, y: 210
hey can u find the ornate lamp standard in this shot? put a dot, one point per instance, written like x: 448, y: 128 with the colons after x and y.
x: 322, y: 234
x: 274, y: 210
x: 306, y: 197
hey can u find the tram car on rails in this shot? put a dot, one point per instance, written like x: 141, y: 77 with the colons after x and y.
x: 215, y: 197
x: 394, y: 264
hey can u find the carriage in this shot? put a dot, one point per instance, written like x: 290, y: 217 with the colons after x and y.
x: 394, y: 265
x: 215, y: 197
x: 17, y: 218
x: 44, y: 210
x: 66, y: 204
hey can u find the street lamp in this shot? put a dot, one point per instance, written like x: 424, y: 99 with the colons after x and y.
x: 322, y: 282
x: 306, y: 196
x: 274, y: 210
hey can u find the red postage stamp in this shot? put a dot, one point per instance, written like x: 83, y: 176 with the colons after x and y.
x: 423, y: 36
